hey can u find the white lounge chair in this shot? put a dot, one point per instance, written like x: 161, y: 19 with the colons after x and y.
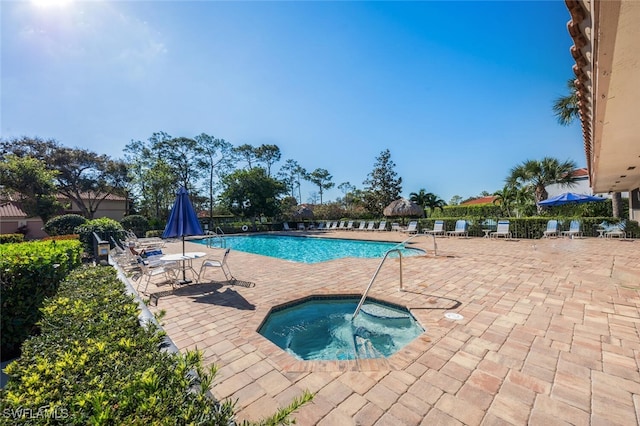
x: 412, y: 228
x: 574, y: 230
x: 502, y: 230
x: 438, y: 228
x: 616, y: 231
x: 371, y: 225
x: 460, y: 229
x: 349, y: 226
x: 395, y: 226
x: 552, y: 229
x: 342, y: 226
x: 362, y: 226
x: 382, y: 226
x: 301, y: 227
x: 285, y: 226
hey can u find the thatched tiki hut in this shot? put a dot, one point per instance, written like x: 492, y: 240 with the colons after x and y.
x: 403, y: 208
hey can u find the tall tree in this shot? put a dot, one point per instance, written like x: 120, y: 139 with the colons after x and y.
x: 182, y: 155
x: 33, y: 182
x: 322, y: 179
x: 427, y: 200
x: 292, y: 174
x: 152, y: 179
x: 382, y: 185
x: 538, y: 174
x: 268, y: 155
x: 248, y: 153
x: 216, y: 159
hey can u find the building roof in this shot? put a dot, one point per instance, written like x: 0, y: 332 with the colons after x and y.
x: 607, y: 69
x: 11, y: 209
x: 482, y: 200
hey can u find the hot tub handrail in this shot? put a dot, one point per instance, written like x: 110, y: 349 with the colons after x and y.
x: 373, y: 278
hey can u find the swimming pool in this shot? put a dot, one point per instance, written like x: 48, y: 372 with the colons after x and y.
x: 321, y: 329
x: 308, y: 249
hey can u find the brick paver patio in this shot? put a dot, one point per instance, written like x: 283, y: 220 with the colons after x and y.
x: 549, y: 335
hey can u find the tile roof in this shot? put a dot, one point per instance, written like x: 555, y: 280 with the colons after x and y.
x: 482, y: 200
x: 11, y: 209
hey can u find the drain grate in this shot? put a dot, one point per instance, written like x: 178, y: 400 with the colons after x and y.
x: 453, y: 316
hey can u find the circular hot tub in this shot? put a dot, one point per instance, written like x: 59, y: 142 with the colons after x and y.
x: 323, y: 328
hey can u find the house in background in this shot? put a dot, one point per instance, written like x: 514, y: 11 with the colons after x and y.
x: 14, y: 220
x: 113, y: 206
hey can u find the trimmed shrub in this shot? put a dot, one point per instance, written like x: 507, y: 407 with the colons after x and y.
x: 11, y: 238
x: 95, y: 364
x: 31, y: 272
x: 103, y: 227
x: 64, y: 224
x: 154, y: 233
x: 137, y: 223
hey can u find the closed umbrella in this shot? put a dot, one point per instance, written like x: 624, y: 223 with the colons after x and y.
x: 569, y: 197
x: 403, y: 208
x: 183, y: 221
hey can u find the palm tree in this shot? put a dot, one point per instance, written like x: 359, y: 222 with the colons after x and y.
x: 539, y: 174
x: 427, y: 200
x: 566, y: 108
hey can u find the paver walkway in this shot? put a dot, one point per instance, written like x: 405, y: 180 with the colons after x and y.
x: 549, y: 335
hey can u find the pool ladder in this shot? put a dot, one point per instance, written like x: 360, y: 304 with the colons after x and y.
x: 398, y: 249
x: 213, y: 235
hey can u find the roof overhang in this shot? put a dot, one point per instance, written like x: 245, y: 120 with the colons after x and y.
x: 606, y: 49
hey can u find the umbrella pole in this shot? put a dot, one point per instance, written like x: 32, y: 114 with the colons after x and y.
x: 184, y: 272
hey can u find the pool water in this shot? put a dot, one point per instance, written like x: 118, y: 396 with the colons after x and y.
x: 321, y: 329
x: 308, y: 249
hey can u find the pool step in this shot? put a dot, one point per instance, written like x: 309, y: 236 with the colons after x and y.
x: 380, y: 311
x: 366, y: 350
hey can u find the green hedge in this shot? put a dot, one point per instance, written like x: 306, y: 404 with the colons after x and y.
x: 137, y: 223
x: 11, y: 238
x: 525, y: 227
x: 103, y: 227
x: 64, y: 224
x: 31, y: 272
x: 95, y: 364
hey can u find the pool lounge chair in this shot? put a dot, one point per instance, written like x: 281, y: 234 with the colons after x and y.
x: 362, y: 226
x: 342, y: 226
x: 616, y: 231
x: 370, y: 226
x: 382, y: 226
x: 574, y: 230
x: 301, y: 227
x: 412, y: 228
x: 349, y: 226
x: 438, y: 228
x: 395, y: 226
x: 502, y: 230
x: 460, y: 229
x: 285, y: 226
x: 552, y: 229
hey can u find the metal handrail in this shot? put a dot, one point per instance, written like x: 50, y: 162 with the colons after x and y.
x: 223, y: 243
x: 364, y: 295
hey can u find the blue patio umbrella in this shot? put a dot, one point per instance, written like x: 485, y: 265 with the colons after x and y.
x: 183, y: 221
x: 569, y: 197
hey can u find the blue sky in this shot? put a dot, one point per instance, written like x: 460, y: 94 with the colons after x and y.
x: 459, y: 92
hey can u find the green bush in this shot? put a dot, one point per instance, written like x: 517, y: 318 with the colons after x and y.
x: 64, y: 224
x: 31, y: 272
x: 137, y: 223
x: 11, y: 238
x: 154, y: 233
x: 103, y: 227
x: 94, y: 364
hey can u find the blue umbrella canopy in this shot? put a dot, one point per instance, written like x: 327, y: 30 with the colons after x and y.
x: 569, y: 197
x: 183, y: 220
